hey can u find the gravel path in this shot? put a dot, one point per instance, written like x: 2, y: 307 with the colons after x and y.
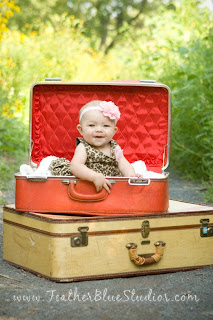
x: 182, y: 295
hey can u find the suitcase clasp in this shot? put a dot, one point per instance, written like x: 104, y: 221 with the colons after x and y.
x: 205, y: 229
x: 80, y: 240
x: 145, y: 229
x: 139, y: 182
x: 37, y: 178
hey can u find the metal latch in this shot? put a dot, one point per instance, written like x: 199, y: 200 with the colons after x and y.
x: 205, y: 229
x: 147, y: 81
x: 52, y: 79
x: 37, y: 178
x: 80, y: 240
x: 139, y: 182
x: 145, y: 229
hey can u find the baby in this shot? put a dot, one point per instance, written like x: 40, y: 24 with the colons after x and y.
x: 97, y: 155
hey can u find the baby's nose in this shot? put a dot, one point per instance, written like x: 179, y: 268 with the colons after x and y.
x: 99, y: 129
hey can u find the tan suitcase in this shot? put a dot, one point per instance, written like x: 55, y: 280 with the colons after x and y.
x: 74, y: 248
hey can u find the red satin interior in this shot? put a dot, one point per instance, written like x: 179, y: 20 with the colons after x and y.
x: 143, y: 126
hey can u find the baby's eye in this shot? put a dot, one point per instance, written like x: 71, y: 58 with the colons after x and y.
x: 91, y: 125
x: 106, y: 126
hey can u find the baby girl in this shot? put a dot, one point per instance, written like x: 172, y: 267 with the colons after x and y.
x: 98, y: 155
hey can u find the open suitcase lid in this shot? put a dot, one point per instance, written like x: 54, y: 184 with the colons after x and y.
x: 143, y: 129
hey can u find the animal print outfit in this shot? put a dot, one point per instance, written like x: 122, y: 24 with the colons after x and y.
x: 99, y: 162
x: 96, y: 160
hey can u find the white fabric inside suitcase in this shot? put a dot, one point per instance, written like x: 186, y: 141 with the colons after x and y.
x: 43, y: 169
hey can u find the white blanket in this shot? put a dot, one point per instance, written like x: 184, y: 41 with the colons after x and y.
x: 140, y: 167
x: 43, y: 169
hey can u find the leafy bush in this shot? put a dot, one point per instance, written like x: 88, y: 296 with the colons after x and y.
x: 192, y: 81
x: 57, y: 50
x: 13, y: 150
x: 177, y: 50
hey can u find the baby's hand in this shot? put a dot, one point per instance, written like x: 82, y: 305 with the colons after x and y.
x: 100, y: 181
x: 139, y: 175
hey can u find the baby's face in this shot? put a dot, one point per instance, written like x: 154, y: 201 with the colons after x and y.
x: 96, y: 129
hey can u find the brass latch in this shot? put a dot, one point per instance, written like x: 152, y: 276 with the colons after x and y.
x: 80, y: 240
x: 205, y: 229
x: 145, y: 229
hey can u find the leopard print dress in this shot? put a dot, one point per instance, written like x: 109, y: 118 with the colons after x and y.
x: 99, y: 162
x: 96, y: 160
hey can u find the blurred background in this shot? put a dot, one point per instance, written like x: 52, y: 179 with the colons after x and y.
x: 168, y: 41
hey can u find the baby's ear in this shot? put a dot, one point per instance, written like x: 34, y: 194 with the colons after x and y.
x: 116, y: 128
x: 79, y: 128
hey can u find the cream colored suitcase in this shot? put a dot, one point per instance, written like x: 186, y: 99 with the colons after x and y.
x: 75, y: 248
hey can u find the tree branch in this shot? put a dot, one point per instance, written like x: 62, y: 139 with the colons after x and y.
x: 120, y: 22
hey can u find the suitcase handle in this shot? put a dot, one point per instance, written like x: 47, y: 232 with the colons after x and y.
x: 83, y: 195
x: 140, y: 260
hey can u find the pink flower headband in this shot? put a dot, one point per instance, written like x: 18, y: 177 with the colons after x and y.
x: 108, y: 108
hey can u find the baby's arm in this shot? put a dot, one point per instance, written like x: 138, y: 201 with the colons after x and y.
x: 124, y: 166
x: 80, y: 170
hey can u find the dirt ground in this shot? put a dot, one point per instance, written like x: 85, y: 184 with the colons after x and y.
x: 182, y: 295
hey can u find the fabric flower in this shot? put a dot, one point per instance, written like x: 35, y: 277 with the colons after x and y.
x: 110, y: 110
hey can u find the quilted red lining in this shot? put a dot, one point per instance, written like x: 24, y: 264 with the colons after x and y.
x: 143, y: 126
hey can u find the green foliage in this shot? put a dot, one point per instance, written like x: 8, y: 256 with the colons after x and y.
x: 177, y: 50
x: 13, y: 137
x: 59, y: 51
x: 7, y: 8
x: 105, y: 21
x: 192, y: 82
x: 13, y: 150
x: 209, y: 186
x: 190, y: 76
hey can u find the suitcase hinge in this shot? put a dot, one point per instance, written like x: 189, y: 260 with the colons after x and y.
x: 52, y: 79
x: 80, y: 240
x: 205, y: 229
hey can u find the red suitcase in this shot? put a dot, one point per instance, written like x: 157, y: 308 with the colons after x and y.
x: 144, y: 134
